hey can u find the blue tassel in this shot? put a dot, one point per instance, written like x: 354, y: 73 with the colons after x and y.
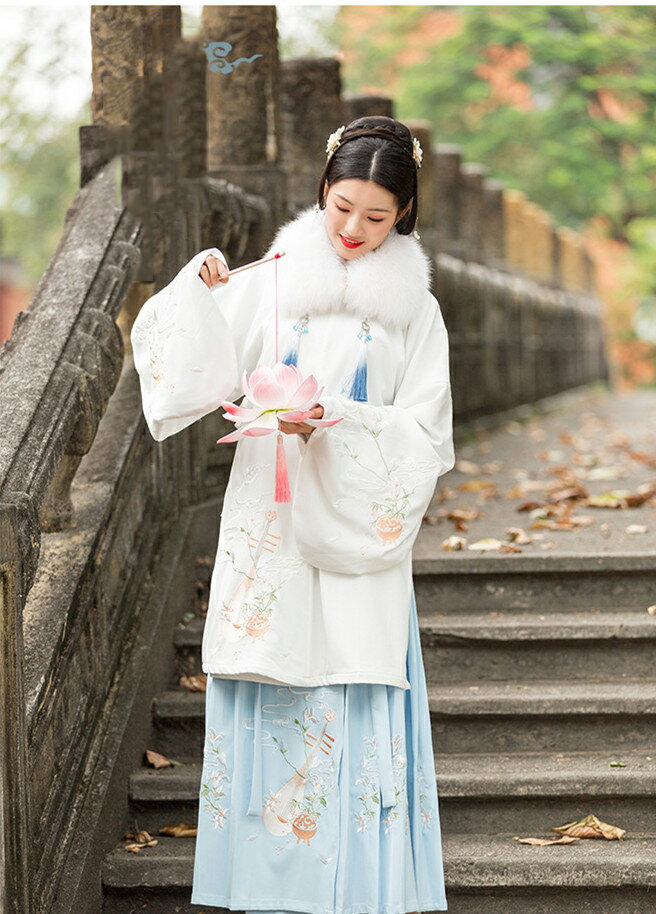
x: 300, y: 327
x: 359, y: 385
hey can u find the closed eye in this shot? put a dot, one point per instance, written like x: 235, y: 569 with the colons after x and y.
x: 346, y: 211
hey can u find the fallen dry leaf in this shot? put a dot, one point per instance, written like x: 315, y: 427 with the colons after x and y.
x: 463, y: 514
x: 141, y: 836
x: 621, y: 498
x: 545, y: 842
x: 632, y: 529
x: 487, y: 544
x: 652, y: 610
x: 569, y: 523
x: 649, y: 459
x: 157, y: 760
x: 590, y: 827
x: 182, y: 830
x: 453, y: 543
x: 138, y: 840
x: 570, y: 492
x: 530, y: 506
x: 520, y: 489
x: 194, y: 683
x: 551, y: 455
x: 466, y: 466
x: 517, y: 535
x: 484, y: 486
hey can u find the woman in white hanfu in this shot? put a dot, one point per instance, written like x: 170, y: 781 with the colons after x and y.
x: 318, y: 790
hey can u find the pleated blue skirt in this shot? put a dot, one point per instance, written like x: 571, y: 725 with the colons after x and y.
x: 320, y: 800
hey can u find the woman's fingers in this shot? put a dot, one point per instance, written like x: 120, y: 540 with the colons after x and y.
x: 213, y: 271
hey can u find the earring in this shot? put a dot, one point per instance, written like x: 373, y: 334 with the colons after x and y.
x: 317, y: 208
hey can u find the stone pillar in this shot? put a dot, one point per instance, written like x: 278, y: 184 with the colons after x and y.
x: 472, y: 175
x: 492, y: 224
x: 425, y: 184
x: 132, y: 81
x: 311, y: 111
x: 513, y: 201
x: 243, y: 111
x: 355, y: 106
x: 130, y: 49
x: 543, y: 242
x: 447, y: 158
x: 188, y: 129
x: 531, y: 239
x: 571, y: 266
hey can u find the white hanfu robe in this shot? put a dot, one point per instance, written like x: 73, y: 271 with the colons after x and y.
x: 316, y: 590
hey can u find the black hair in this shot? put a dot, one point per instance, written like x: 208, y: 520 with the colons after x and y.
x: 373, y: 158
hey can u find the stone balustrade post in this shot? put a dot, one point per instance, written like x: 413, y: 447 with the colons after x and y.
x: 243, y: 104
x: 311, y: 111
x: 447, y: 161
x: 494, y: 253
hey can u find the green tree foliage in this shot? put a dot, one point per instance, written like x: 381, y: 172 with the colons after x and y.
x: 558, y: 101
x: 39, y: 146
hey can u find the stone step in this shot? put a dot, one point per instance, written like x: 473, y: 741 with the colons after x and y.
x: 571, y: 645
x: 460, y: 582
x: 532, y: 716
x: 478, y: 793
x: 543, y: 715
x: 498, y: 646
x: 484, y: 874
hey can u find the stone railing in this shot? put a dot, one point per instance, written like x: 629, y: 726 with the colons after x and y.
x: 92, y: 524
x: 56, y: 375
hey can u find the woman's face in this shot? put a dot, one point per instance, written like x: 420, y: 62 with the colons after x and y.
x: 360, y: 211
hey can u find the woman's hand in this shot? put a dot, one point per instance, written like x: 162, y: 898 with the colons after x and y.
x: 213, y: 271
x: 301, y: 428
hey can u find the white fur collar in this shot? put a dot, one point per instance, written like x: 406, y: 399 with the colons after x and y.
x: 387, y: 284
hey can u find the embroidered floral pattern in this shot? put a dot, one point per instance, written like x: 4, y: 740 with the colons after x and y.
x: 394, y: 481
x: 151, y: 330
x: 296, y: 807
x: 370, y: 794
x: 399, y: 767
x: 215, y: 776
x: 257, y: 577
x: 370, y: 780
x: 426, y: 806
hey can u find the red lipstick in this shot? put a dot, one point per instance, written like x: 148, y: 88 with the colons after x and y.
x: 350, y: 244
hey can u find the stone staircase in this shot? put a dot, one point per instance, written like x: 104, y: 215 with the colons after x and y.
x: 542, y: 688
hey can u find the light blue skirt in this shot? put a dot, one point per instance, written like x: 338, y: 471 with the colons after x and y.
x: 320, y: 799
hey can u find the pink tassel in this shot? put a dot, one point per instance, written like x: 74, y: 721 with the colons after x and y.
x: 283, y: 492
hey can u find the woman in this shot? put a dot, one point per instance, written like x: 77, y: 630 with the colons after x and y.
x: 318, y: 788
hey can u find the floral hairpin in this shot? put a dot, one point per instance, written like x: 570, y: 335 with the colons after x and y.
x: 334, y: 139
x: 417, y: 152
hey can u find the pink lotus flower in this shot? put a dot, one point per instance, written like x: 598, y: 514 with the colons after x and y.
x: 276, y: 392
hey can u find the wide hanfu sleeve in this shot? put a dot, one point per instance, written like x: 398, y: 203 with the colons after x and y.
x: 191, y: 345
x: 364, y: 484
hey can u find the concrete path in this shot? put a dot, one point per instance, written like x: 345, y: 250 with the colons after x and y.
x: 588, y: 443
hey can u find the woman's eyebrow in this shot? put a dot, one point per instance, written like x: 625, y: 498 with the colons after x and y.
x: 377, y: 209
